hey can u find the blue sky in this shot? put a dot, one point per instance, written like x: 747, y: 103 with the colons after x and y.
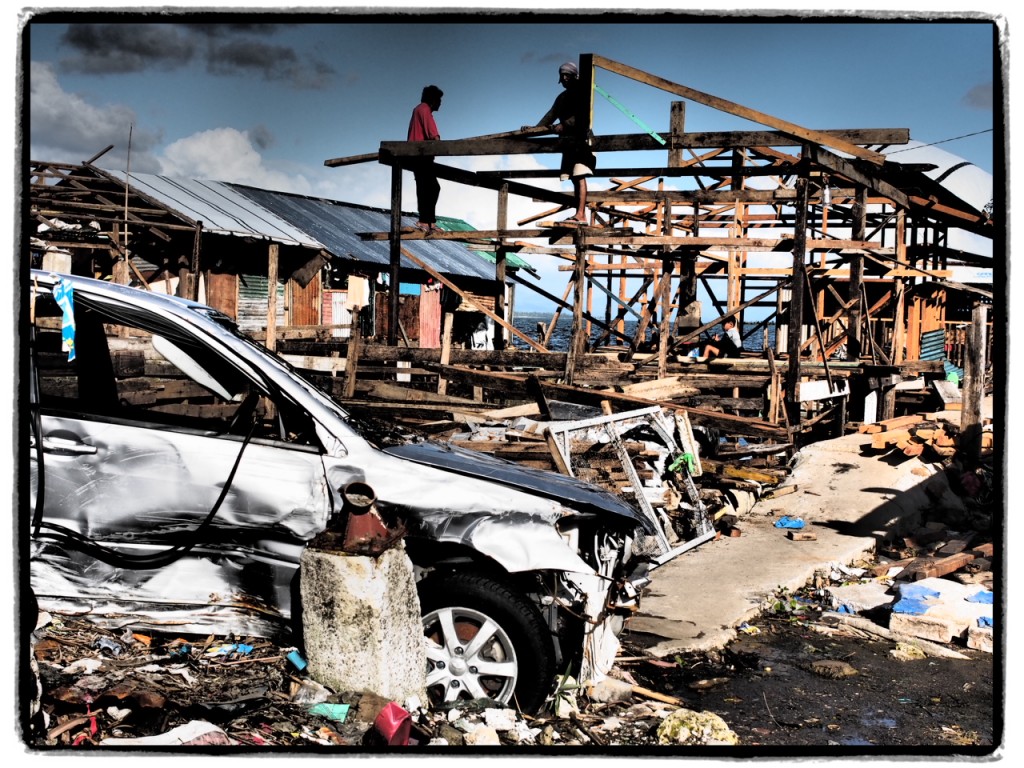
x: 266, y: 99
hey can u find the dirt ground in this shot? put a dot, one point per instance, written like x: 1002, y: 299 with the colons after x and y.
x: 766, y: 689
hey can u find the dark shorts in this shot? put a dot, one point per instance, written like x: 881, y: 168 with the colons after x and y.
x: 578, y: 164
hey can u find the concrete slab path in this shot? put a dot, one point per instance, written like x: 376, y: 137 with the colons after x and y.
x: 849, y: 496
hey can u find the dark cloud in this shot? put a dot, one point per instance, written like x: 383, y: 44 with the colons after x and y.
x: 121, y: 48
x: 225, y: 30
x: 230, y: 50
x: 979, y: 97
x: 261, y: 137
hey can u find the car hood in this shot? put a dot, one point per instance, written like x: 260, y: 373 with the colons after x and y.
x: 575, y: 493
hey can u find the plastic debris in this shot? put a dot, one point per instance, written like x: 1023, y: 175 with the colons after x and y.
x: 393, y: 726
x: 984, y: 621
x: 336, y: 712
x: 105, y: 644
x: 985, y: 596
x: 194, y: 733
x: 914, y: 599
x: 297, y: 661
x: 789, y: 522
x: 184, y: 649
x: 749, y: 629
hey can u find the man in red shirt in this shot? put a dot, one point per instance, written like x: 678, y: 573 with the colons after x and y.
x: 423, y: 128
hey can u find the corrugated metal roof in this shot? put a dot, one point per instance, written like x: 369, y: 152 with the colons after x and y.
x: 220, y: 208
x: 337, y: 225
x: 458, y: 225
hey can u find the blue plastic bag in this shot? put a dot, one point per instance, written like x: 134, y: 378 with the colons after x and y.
x: 789, y: 522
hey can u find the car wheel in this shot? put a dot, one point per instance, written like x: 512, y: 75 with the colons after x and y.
x: 484, y: 640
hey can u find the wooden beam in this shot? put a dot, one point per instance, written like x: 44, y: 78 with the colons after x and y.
x: 445, y: 281
x: 516, y: 144
x: 845, y: 168
x: 796, y: 308
x: 723, y: 105
x: 394, y: 255
x: 272, y: 266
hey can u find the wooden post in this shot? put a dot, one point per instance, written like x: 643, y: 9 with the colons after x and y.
x: 577, y: 342
x: 796, y: 304
x: 664, y: 297
x: 590, y: 295
x: 500, y: 257
x: 974, y: 384
x: 355, y: 342
x: 197, y: 247
x: 677, y: 119
x: 271, y: 342
x: 395, y: 253
x: 899, y: 328
x: 853, y: 325
x: 446, y: 352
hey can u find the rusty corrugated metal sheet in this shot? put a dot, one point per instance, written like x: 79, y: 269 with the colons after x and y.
x: 338, y: 226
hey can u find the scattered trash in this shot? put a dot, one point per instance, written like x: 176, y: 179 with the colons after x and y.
x: 789, y: 522
x: 392, y: 726
x: 193, y: 734
x: 337, y: 712
x: 684, y: 726
x: 106, y: 645
x: 748, y: 629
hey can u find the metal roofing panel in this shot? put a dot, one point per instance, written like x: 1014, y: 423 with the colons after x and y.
x: 961, y: 178
x: 337, y: 225
x: 220, y: 207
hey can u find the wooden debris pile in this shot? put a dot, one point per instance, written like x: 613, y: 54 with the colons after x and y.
x: 934, y: 550
x: 920, y: 435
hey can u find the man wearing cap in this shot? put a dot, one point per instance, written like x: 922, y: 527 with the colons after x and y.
x: 578, y: 161
x: 423, y: 128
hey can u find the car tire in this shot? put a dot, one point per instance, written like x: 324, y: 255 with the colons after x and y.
x: 517, y: 649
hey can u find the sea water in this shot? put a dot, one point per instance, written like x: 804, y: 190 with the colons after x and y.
x: 526, y: 323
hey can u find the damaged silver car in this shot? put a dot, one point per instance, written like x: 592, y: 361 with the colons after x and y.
x: 177, y: 469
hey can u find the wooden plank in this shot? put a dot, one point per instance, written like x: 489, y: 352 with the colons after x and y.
x: 445, y: 281
x: 446, y: 350
x: 723, y: 105
x: 556, y: 455
x: 352, y: 362
x: 741, y: 473
x: 883, y: 440
x: 801, y: 536
x: 931, y: 567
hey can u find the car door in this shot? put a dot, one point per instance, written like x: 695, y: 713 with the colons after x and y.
x: 161, y: 474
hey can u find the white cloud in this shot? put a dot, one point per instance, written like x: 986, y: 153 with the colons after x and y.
x: 227, y: 154
x: 67, y: 128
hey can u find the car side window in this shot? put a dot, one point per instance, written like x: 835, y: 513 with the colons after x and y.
x: 125, y: 369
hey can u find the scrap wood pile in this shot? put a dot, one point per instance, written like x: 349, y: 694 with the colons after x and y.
x: 921, y: 435
x: 505, y: 411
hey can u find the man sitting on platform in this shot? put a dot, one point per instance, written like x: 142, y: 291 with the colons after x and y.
x: 728, y: 345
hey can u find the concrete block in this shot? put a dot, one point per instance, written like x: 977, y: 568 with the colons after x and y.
x: 945, y: 615
x: 483, y: 736
x: 856, y: 598
x: 361, y: 623
x: 980, y: 639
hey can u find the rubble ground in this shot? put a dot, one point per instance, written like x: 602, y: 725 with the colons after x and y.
x: 793, y: 681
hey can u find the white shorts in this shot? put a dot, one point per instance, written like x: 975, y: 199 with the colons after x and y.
x: 578, y: 171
